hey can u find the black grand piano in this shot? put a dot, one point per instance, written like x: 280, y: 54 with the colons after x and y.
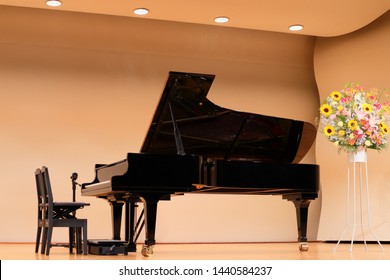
x: 195, y: 146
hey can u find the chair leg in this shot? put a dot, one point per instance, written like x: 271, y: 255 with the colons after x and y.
x: 48, y: 239
x: 79, y: 240
x: 44, y: 240
x: 38, y: 239
x: 71, y: 239
x: 85, y: 238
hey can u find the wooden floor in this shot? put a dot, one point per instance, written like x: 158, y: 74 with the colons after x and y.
x: 257, y: 251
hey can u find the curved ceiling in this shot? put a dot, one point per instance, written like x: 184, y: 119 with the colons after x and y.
x: 323, y: 18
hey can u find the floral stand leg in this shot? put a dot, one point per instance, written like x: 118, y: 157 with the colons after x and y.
x: 357, y: 161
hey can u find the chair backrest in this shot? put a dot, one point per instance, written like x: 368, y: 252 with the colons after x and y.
x: 41, y: 194
x: 48, y: 192
x: 44, y: 193
x: 40, y: 187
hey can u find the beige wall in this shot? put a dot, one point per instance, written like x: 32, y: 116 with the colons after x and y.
x: 79, y: 89
x: 362, y: 56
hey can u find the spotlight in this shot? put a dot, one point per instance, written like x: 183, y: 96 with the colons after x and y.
x: 53, y: 3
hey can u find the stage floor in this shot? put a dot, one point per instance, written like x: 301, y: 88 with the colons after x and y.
x: 226, y: 251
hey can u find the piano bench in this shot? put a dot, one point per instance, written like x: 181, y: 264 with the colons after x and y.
x: 107, y: 247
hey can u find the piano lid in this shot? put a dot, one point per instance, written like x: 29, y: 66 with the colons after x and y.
x: 208, y: 130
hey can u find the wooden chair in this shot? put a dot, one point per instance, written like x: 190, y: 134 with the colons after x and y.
x: 57, y: 214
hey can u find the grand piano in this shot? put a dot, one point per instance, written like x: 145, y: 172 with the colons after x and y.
x: 196, y: 146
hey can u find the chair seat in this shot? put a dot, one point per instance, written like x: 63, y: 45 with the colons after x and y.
x: 66, y: 210
x: 70, y: 204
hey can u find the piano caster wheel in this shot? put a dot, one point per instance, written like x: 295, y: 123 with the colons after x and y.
x: 303, y: 247
x: 147, y: 251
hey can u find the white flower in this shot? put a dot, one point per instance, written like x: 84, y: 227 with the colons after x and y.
x: 367, y: 143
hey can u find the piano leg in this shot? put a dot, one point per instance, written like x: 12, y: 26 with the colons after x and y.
x: 150, y: 213
x: 116, y: 211
x: 302, y: 213
x: 302, y: 210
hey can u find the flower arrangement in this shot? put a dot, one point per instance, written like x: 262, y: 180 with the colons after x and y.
x: 354, y: 119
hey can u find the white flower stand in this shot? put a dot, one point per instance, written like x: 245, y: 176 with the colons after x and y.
x: 358, y: 196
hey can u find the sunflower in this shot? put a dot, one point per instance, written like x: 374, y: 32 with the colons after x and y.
x: 329, y: 130
x: 384, y: 128
x: 336, y: 95
x: 352, y: 124
x: 367, y: 108
x: 326, y: 110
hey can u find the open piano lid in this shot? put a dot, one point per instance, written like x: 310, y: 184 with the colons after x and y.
x: 208, y: 130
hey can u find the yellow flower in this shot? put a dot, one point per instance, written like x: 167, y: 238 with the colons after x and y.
x: 326, y: 110
x: 352, y: 124
x: 340, y: 124
x: 336, y: 95
x: 341, y: 132
x: 386, y: 108
x: 367, y: 108
x: 329, y: 130
x: 367, y: 143
x: 384, y: 128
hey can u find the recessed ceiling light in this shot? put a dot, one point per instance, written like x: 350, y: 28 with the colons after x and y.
x: 53, y: 3
x: 295, y: 27
x: 221, y: 19
x: 141, y: 11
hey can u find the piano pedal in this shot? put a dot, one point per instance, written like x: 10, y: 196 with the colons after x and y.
x: 147, y: 250
x: 107, y: 247
x: 304, y: 246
